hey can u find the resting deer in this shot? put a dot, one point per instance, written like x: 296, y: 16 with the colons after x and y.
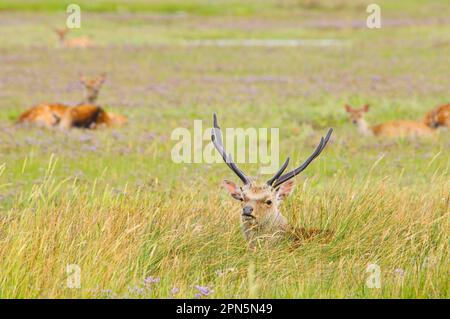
x: 260, y: 215
x: 80, y: 42
x: 439, y: 117
x: 84, y: 115
x: 400, y: 128
x: 63, y: 116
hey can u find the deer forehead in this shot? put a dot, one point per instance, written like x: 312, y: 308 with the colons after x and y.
x: 258, y: 193
x: 357, y: 113
x: 92, y: 83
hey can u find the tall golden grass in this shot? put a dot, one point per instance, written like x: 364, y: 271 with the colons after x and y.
x: 188, y: 235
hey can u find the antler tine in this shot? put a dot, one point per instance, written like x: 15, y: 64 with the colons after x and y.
x: 298, y: 170
x: 278, y: 174
x: 216, y: 138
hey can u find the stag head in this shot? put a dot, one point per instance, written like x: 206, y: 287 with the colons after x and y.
x: 260, y: 202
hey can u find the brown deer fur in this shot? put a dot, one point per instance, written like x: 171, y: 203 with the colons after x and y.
x: 80, y: 116
x: 46, y: 115
x: 90, y: 116
x: 438, y: 117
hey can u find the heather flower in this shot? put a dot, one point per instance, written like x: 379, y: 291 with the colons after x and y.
x: 151, y: 280
x: 399, y: 272
x: 203, y: 291
x: 84, y: 138
x: 117, y: 135
x: 174, y: 291
x: 91, y: 148
x: 136, y: 290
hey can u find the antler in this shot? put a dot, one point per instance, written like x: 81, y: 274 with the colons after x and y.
x: 216, y: 138
x: 278, y: 174
x: 277, y: 180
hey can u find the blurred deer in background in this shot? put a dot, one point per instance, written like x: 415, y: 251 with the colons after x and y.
x: 84, y: 115
x: 81, y: 116
x: 400, y: 128
x: 92, y: 87
x: 79, y: 42
x: 438, y: 117
x: 87, y: 114
x: 260, y: 215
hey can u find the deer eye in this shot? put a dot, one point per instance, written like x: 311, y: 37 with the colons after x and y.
x: 268, y: 202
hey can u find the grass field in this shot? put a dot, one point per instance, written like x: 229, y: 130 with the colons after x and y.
x: 140, y: 226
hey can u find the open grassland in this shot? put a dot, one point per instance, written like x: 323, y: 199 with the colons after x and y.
x: 114, y: 203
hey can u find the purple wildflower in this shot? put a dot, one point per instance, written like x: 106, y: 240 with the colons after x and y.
x: 151, y: 280
x: 203, y: 291
x: 136, y: 290
x: 84, y: 138
x: 400, y: 272
x: 174, y: 291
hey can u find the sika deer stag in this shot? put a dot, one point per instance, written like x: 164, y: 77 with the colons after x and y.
x: 260, y: 215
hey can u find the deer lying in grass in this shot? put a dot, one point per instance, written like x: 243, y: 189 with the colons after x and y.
x: 438, y: 117
x: 260, y: 215
x: 81, y: 116
x: 84, y: 115
x: 79, y: 42
x: 87, y: 114
x: 399, y: 128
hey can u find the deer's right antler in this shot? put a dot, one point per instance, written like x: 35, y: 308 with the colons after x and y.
x: 216, y: 138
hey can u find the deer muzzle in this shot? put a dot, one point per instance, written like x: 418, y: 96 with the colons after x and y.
x: 247, y: 211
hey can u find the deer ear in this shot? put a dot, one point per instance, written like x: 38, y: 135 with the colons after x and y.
x: 233, y: 189
x: 285, y: 190
x: 366, y: 108
x: 348, y: 108
x: 82, y: 78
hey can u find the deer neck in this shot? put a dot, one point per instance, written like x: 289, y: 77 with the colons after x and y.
x: 88, y: 99
x: 363, y: 127
x: 275, y: 221
x: 272, y: 226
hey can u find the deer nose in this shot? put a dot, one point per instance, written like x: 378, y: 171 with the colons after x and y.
x: 247, y: 211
